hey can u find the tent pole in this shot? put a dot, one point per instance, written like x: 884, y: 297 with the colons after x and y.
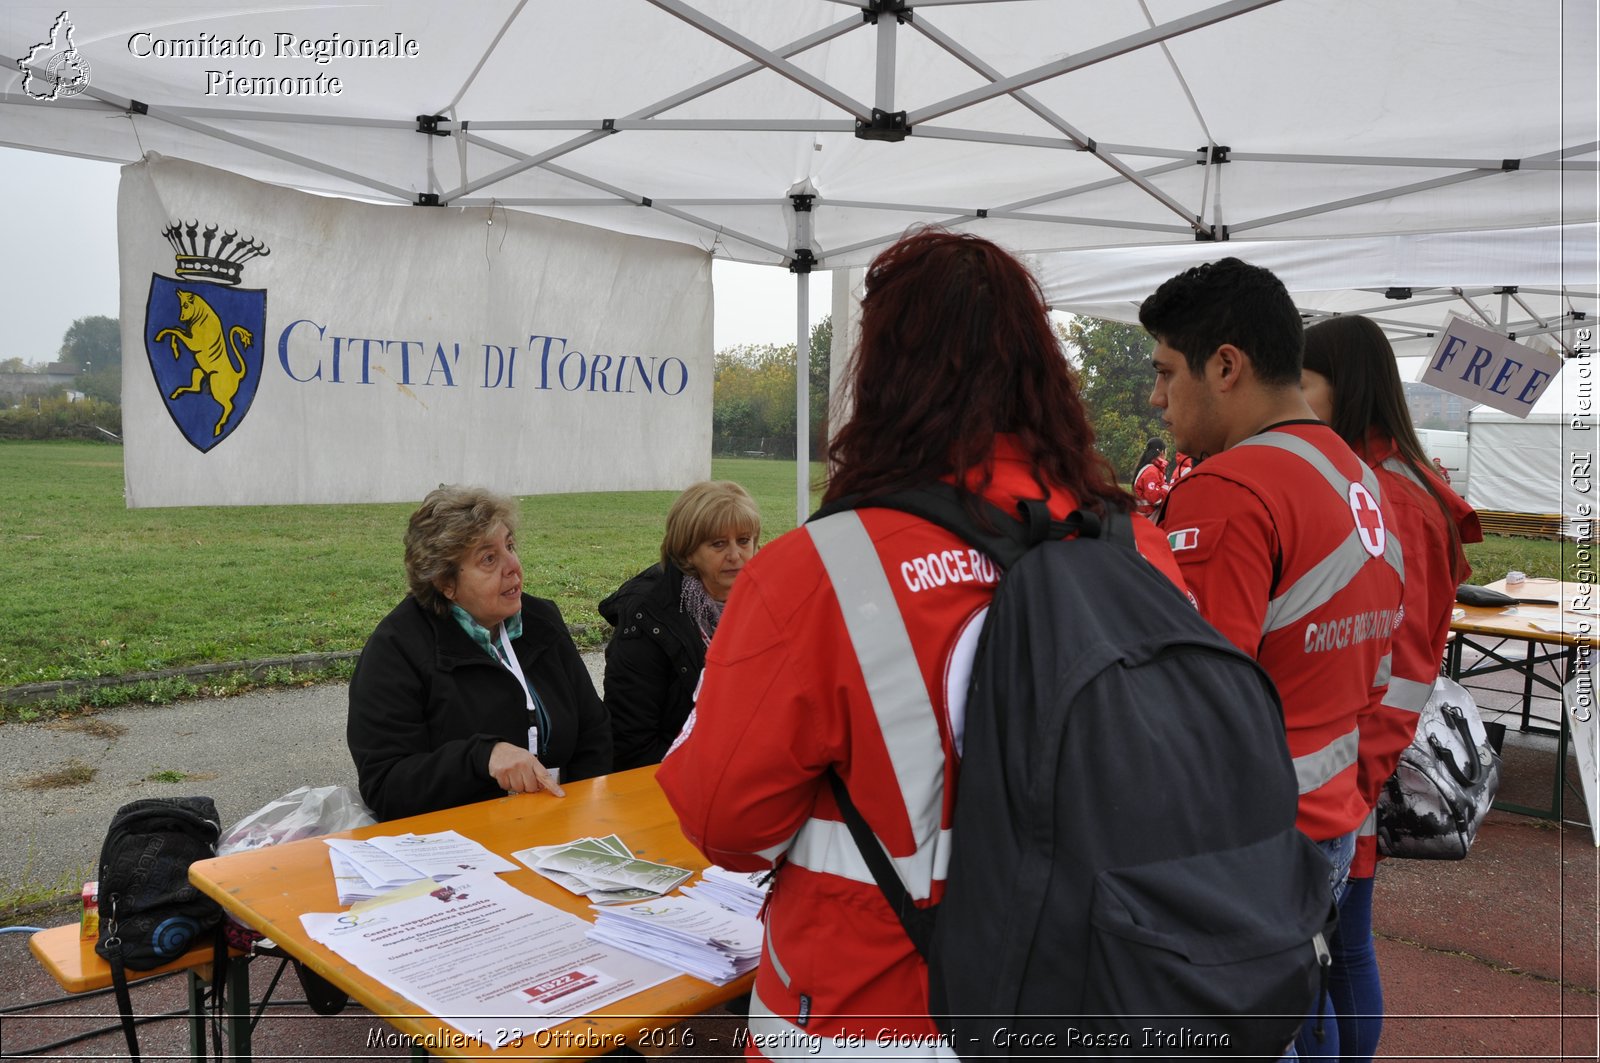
x: 802, y: 397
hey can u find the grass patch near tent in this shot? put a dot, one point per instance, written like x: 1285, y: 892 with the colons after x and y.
x: 96, y: 589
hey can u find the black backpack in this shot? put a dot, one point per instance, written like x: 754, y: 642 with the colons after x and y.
x: 1125, y: 874
x: 149, y: 913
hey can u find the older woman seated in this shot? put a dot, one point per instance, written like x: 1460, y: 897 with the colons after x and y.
x: 665, y: 617
x: 469, y: 688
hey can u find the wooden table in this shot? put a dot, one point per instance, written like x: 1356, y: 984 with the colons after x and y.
x: 73, y: 962
x: 1571, y: 626
x: 270, y: 888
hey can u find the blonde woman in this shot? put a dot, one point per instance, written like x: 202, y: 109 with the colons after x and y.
x: 665, y: 616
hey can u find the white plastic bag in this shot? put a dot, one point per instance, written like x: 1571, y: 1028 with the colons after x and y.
x: 303, y: 813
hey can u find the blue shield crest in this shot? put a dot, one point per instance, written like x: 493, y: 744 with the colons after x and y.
x: 204, y: 342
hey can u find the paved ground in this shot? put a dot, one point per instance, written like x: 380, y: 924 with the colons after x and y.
x: 1489, y: 958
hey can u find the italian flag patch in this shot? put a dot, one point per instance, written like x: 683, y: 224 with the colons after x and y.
x: 1184, y: 539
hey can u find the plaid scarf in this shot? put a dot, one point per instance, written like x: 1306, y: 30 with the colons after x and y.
x: 703, y: 609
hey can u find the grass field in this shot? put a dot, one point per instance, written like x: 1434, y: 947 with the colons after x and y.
x: 95, y: 589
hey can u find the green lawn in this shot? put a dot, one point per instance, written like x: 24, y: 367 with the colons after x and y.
x: 93, y: 588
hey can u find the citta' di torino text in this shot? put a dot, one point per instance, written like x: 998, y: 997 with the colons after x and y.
x: 320, y: 50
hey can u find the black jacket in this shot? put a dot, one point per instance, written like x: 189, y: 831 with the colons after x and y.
x: 427, y: 704
x: 653, y: 665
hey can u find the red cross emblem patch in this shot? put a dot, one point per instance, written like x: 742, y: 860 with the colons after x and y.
x: 1369, y: 519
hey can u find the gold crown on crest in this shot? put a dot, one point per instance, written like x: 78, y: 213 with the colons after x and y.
x: 223, y: 264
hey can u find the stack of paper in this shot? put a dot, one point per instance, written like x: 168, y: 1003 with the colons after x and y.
x: 602, y: 869
x: 695, y: 937
x: 486, y: 958
x: 362, y: 870
x: 742, y: 892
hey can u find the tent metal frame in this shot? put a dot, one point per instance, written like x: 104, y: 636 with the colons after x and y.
x: 885, y: 117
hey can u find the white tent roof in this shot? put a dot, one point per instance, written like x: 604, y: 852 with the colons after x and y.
x: 1532, y: 282
x: 1043, y: 124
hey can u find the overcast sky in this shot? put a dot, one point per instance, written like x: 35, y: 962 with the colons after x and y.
x: 59, y: 217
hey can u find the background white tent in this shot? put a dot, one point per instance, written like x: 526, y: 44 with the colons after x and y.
x: 810, y: 133
x: 1523, y: 465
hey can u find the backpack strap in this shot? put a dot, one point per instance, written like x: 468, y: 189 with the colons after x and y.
x: 982, y: 524
x: 918, y: 922
x: 119, y: 983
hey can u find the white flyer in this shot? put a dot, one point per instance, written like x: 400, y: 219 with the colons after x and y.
x: 376, y: 866
x: 486, y: 958
x: 442, y: 854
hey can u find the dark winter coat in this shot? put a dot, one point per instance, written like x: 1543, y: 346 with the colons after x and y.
x: 653, y: 665
x: 427, y: 705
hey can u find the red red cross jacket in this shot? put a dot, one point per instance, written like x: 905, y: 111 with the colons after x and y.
x: 1285, y: 549
x: 1431, y: 565
x: 845, y: 644
x: 1150, y: 486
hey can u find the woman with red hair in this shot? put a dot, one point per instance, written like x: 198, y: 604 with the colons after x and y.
x: 957, y: 377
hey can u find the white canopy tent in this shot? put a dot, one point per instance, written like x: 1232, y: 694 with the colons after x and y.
x: 810, y: 133
x: 1539, y: 281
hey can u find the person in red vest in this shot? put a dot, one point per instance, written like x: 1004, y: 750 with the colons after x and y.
x: 1181, y: 464
x: 1351, y: 382
x: 1442, y: 472
x: 1150, y: 478
x: 845, y: 643
x: 1281, y: 536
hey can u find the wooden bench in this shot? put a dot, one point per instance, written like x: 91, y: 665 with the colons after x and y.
x: 73, y: 963
x: 1524, y: 525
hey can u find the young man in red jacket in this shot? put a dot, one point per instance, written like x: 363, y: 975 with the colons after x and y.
x: 1279, y: 532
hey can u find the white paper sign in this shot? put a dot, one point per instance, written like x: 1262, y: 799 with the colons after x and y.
x: 1484, y: 366
x: 485, y: 957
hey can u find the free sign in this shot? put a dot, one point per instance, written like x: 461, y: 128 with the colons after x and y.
x: 1486, y: 367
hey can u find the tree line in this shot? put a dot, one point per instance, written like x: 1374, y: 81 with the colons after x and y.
x: 92, y: 346
x: 753, y: 411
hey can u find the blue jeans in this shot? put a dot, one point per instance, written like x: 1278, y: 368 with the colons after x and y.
x: 1354, y: 983
x: 1319, y: 1037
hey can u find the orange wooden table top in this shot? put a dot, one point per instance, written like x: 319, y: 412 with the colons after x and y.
x: 1571, y: 622
x: 270, y: 888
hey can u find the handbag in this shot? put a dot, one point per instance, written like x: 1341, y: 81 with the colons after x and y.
x: 1433, y: 804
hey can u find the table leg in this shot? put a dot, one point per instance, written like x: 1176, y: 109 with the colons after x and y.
x: 1527, y: 689
x: 239, y: 1025
x: 197, y: 1015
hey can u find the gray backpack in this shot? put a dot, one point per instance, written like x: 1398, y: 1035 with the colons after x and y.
x: 1125, y: 875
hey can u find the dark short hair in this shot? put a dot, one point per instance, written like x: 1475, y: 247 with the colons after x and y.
x: 956, y: 348
x: 450, y: 521
x: 1228, y: 301
x: 704, y: 511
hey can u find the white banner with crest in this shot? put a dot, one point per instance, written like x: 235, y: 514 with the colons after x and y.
x: 280, y: 347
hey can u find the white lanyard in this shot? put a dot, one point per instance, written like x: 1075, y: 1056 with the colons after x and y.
x: 508, y: 657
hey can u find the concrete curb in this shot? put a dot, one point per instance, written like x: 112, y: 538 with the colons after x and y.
x: 34, y: 693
